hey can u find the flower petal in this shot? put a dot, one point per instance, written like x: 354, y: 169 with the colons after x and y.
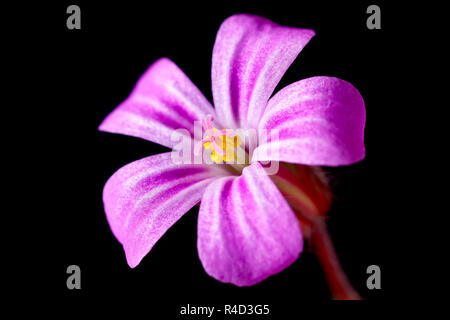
x: 320, y: 122
x: 146, y: 197
x: 164, y: 99
x: 250, y: 56
x: 246, y: 229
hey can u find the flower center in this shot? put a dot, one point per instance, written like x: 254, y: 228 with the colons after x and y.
x: 224, y: 144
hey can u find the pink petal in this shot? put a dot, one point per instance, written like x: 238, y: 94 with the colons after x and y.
x: 146, y: 197
x: 320, y: 122
x: 246, y: 230
x: 164, y: 99
x: 250, y: 56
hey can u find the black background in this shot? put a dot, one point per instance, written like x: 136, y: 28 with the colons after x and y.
x: 86, y: 73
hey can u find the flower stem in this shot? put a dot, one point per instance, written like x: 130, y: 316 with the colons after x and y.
x: 340, y: 286
x: 307, y: 191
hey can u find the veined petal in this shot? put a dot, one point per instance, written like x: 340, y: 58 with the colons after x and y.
x: 320, y: 121
x: 246, y: 229
x: 146, y: 197
x: 250, y: 56
x: 164, y: 99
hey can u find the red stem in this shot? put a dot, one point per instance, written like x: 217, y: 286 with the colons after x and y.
x: 339, y: 285
x: 307, y: 191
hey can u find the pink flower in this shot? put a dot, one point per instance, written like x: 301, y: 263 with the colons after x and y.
x: 246, y: 229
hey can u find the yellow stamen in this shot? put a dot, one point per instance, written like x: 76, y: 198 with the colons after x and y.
x: 228, y: 144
